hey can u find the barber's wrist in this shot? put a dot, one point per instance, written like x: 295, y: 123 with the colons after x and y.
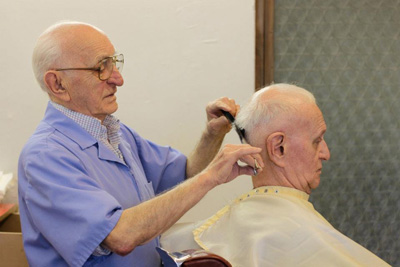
x: 206, y: 180
x: 214, y: 136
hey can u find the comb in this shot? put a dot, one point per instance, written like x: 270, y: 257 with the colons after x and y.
x: 231, y: 119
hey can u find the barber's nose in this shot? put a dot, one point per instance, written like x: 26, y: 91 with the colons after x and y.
x: 325, y: 154
x: 116, y: 77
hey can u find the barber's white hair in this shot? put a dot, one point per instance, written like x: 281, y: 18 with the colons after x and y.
x: 48, y: 50
x: 260, y: 110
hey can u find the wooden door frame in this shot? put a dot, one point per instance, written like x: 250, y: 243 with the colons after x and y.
x: 264, y: 58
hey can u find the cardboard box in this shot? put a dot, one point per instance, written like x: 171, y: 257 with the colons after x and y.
x: 11, y: 249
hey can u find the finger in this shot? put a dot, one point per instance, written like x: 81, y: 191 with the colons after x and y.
x: 256, y: 169
x: 220, y: 121
x: 246, y: 170
x: 234, y: 153
x: 237, y: 109
x: 253, y: 160
x: 225, y: 164
x: 259, y: 160
x: 228, y: 105
x: 224, y: 103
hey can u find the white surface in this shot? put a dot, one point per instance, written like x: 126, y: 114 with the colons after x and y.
x: 179, y: 55
x: 6, y: 181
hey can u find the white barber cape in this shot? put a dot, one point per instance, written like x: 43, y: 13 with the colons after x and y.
x: 271, y: 226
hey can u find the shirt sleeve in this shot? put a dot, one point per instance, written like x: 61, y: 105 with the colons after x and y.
x: 67, y: 206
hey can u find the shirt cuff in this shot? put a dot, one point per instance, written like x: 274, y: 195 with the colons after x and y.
x: 100, y: 251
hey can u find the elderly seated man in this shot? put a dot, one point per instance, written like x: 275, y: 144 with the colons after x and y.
x: 274, y: 224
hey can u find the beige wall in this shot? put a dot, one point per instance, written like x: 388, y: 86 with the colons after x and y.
x: 180, y: 54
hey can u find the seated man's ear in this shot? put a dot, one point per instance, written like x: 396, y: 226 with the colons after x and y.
x: 275, y: 145
x: 53, y: 81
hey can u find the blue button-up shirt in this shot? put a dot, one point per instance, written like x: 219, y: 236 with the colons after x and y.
x: 73, y: 189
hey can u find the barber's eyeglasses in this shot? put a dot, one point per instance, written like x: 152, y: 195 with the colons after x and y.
x: 106, y: 66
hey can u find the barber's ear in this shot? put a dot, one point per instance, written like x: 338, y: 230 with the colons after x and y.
x: 53, y: 81
x: 276, y: 143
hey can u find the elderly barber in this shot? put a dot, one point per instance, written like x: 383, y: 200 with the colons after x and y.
x: 275, y: 224
x: 88, y: 184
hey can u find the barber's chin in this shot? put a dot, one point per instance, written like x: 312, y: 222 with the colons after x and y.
x: 112, y: 108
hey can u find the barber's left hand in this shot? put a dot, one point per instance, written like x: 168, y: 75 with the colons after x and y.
x: 224, y: 167
x: 217, y: 123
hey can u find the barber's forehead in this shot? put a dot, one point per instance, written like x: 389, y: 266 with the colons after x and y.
x: 86, y: 41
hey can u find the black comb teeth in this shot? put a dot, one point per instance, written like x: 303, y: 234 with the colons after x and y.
x: 240, y: 131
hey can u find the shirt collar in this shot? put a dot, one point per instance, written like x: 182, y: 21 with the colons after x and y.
x: 106, y: 131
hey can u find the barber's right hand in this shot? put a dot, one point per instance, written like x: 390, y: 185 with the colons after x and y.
x: 224, y: 167
x: 217, y: 124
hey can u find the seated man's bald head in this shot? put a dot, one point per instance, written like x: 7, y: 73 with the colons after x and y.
x: 285, y: 121
x: 268, y: 105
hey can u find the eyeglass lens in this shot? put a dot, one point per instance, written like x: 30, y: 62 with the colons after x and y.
x: 107, y: 67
